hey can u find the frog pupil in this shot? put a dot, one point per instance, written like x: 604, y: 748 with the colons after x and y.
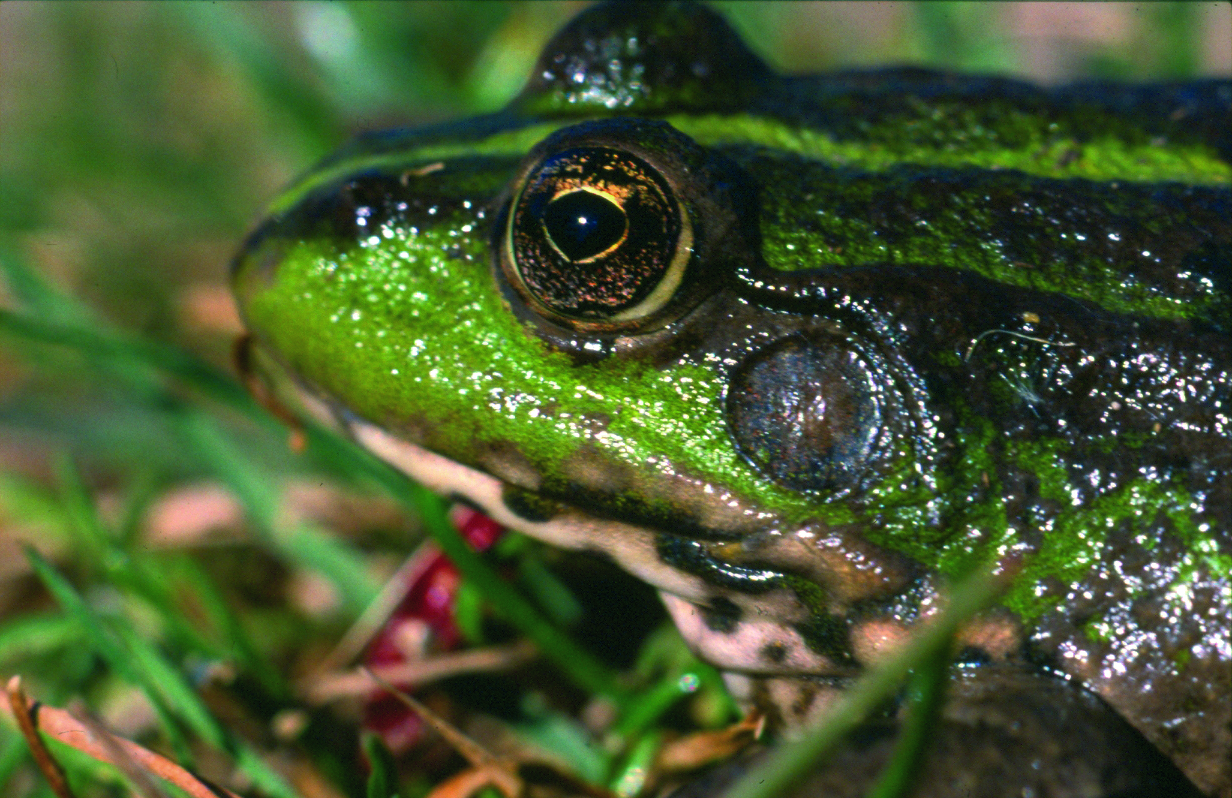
x: 583, y: 225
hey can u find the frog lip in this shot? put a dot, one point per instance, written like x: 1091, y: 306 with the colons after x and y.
x: 632, y: 545
x: 765, y: 626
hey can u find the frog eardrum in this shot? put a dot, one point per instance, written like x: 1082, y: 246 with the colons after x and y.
x: 808, y: 412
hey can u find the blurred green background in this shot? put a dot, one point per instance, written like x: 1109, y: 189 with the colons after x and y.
x: 139, y: 142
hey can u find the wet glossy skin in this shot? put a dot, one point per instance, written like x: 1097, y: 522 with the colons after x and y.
x: 820, y: 344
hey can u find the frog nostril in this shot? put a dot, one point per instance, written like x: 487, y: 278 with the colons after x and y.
x: 806, y: 413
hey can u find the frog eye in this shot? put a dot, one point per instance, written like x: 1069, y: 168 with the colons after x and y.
x: 596, y: 234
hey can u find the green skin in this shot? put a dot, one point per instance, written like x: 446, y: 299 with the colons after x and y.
x: 1034, y: 285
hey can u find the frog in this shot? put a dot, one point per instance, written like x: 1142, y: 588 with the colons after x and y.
x: 800, y: 351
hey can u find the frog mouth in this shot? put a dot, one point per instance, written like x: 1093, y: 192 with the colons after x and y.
x: 689, y: 599
x: 721, y: 624
x: 787, y: 626
x: 288, y: 398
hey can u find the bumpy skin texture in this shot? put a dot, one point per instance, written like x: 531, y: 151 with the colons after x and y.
x: 924, y: 320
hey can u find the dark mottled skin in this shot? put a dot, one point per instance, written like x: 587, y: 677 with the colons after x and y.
x: 1119, y: 382
x: 1081, y: 237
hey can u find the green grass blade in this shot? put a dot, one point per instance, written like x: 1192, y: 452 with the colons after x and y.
x: 176, y: 692
x: 304, y: 545
x: 101, y: 639
x: 383, y: 778
x: 139, y: 663
x: 36, y: 633
x: 790, y: 764
x: 927, y: 686
x: 105, y: 347
x: 34, y: 293
x: 582, y: 668
x: 239, y: 644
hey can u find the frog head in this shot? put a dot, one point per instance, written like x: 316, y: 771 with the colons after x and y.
x: 796, y: 351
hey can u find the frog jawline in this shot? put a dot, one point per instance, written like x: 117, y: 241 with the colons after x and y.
x: 570, y: 529
x: 634, y: 547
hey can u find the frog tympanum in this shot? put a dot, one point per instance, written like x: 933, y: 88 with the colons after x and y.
x: 798, y: 351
